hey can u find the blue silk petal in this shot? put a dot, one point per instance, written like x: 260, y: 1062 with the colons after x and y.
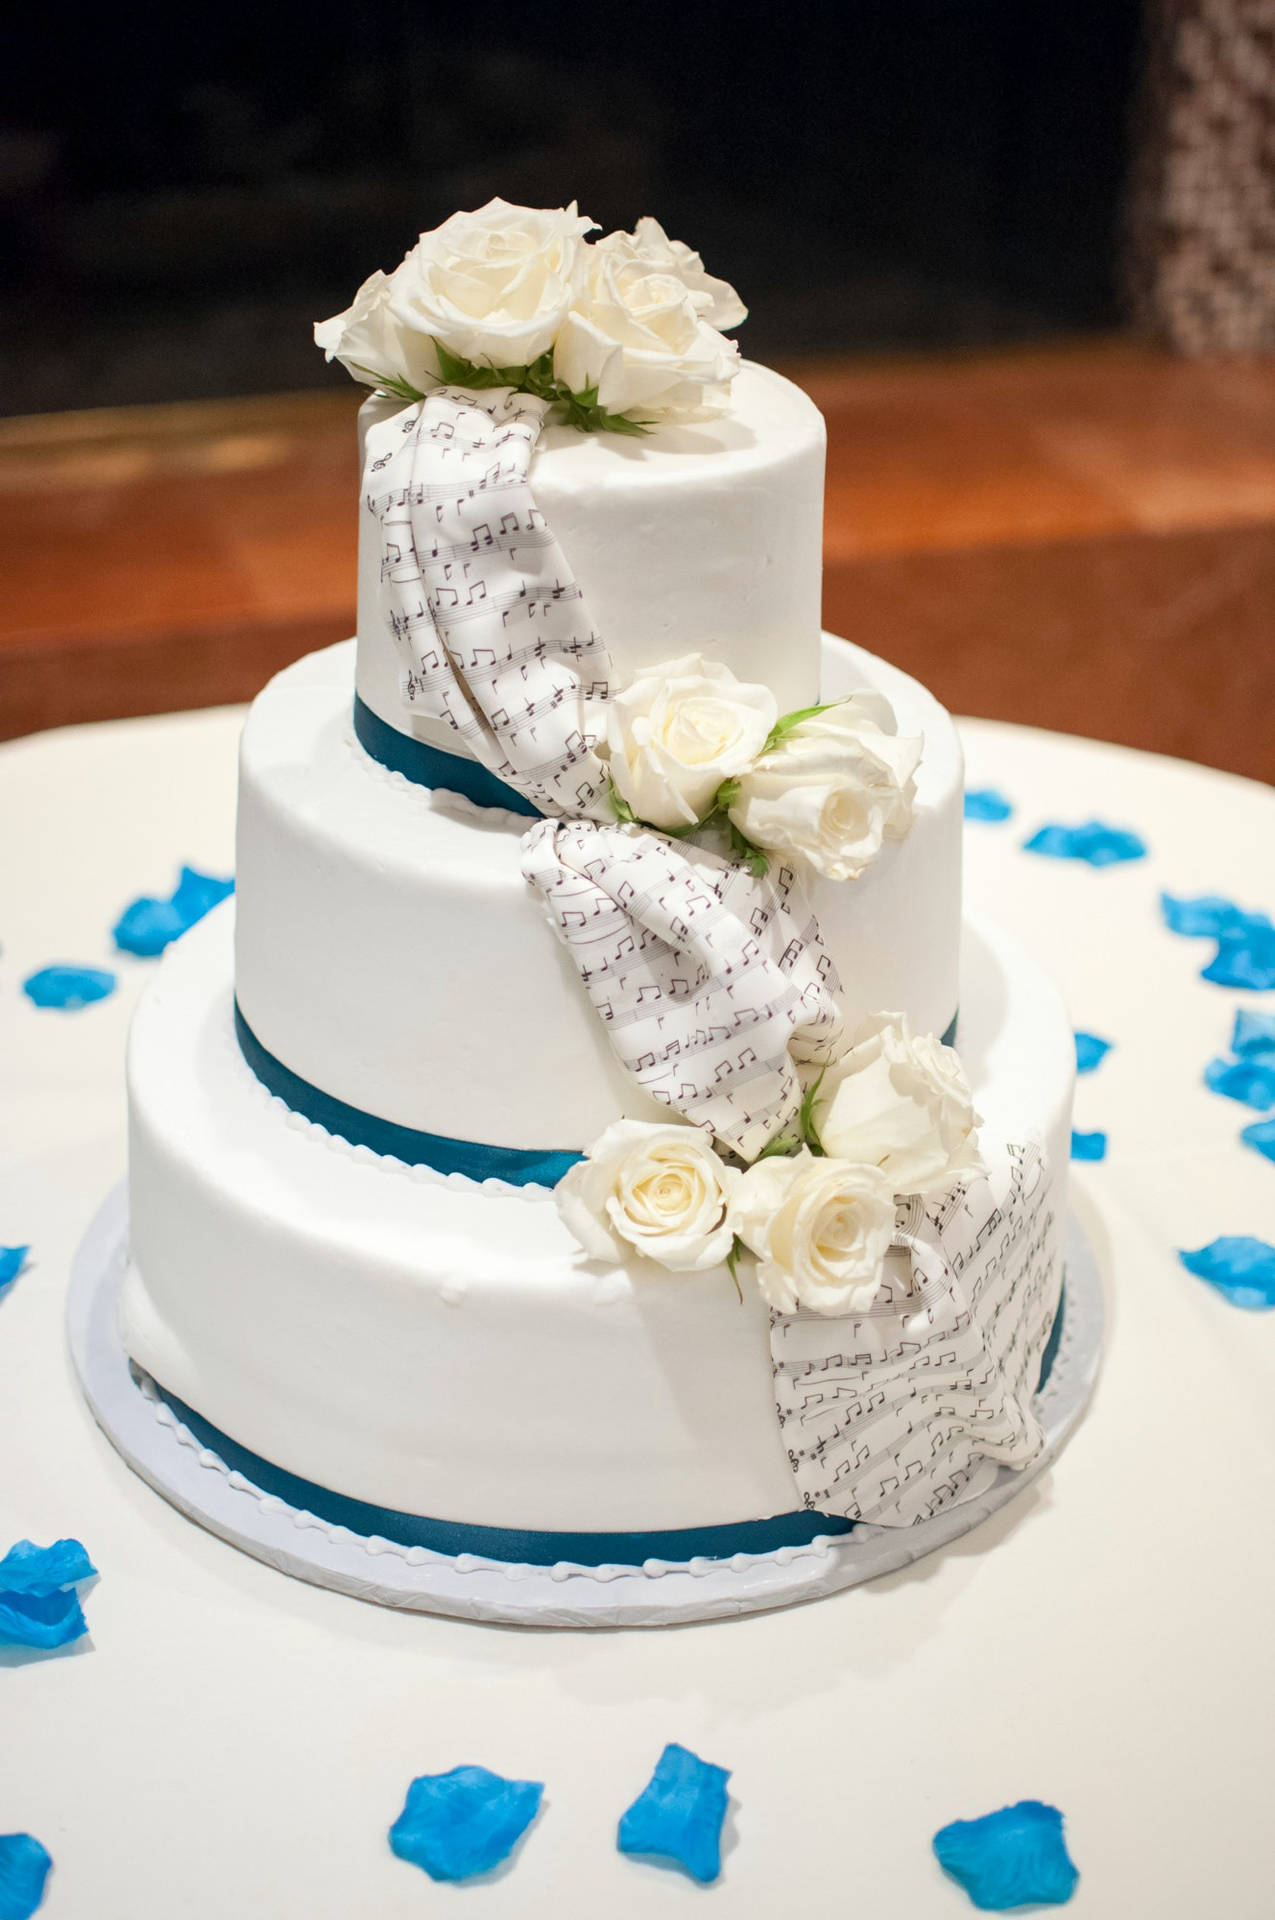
x: 679, y: 1813
x: 39, y: 1606
x: 1011, y: 1858
x: 1262, y: 1136
x: 1239, y: 1266
x: 12, y: 1261
x: 1088, y: 1146
x: 68, y: 987
x: 1098, y: 845
x: 27, y: 1568
x: 464, y: 1822
x: 1245, y: 957
x: 1253, y: 1034
x: 1209, y: 915
x: 1250, y: 1080
x: 1090, y: 1052
x: 147, y: 925
x: 24, y: 1868
x: 987, y: 803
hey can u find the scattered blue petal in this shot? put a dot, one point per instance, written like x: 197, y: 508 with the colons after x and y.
x: 1088, y: 1146
x: 68, y: 987
x: 1206, y: 917
x: 987, y: 803
x: 1262, y: 1136
x: 12, y: 1261
x: 463, y: 1822
x: 679, y: 1813
x: 1245, y: 957
x: 1010, y: 1859
x: 1090, y: 1052
x: 147, y: 926
x: 39, y: 1606
x: 1252, y: 1081
x: 1254, y: 1034
x: 24, y: 1868
x: 1099, y: 845
x: 1240, y: 1267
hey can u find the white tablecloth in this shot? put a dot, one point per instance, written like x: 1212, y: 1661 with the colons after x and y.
x: 230, y: 1741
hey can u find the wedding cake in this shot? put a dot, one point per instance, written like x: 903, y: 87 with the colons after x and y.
x: 592, y: 1135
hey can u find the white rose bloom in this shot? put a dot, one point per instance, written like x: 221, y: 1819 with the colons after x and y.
x: 834, y: 789
x: 660, y: 1191
x: 638, y: 332
x: 820, y: 1229
x: 492, y: 286
x: 676, y: 733
x: 715, y: 300
x: 901, y: 1103
x: 370, y: 343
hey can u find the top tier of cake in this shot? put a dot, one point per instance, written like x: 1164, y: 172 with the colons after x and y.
x: 703, y: 537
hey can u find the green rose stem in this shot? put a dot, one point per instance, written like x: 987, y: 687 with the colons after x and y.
x: 580, y: 410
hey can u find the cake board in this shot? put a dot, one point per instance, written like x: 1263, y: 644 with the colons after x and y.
x: 158, y: 1448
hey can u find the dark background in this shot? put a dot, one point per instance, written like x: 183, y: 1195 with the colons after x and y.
x: 181, y: 198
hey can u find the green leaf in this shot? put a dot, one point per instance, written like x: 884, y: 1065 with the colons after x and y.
x: 584, y: 413
x: 782, y: 1146
x: 391, y: 383
x: 753, y: 857
x: 787, y: 721
x: 806, y: 1118
x: 620, y: 807
x: 738, y: 1249
x: 726, y: 796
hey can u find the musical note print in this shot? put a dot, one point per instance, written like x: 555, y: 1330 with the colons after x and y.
x: 893, y: 1415
x: 478, y: 594
x: 710, y: 982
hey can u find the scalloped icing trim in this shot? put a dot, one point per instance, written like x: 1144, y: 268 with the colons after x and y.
x: 435, y: 799
x: 387, y: 1162
x: 467, y: 1563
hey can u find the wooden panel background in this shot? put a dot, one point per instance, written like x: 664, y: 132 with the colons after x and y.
x: 1080, y: 537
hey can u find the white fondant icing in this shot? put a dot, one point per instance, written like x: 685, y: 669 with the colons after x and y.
x: 703, y: 537
x: 390, y: 952
x: 302, y: 1296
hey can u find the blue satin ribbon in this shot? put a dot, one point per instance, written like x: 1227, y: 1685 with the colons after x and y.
x: 478, y: 1160
x: 527, y: 1546
x: 520, y: 1166
x: 428, y: 766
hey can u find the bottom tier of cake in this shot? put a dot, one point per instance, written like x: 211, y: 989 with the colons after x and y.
x: 441, y: 1348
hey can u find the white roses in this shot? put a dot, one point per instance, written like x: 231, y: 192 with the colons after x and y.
x: 660, y: 1191
x: 833, y: 789
x: 674, y: 735
x: 493, y: 287
x: 629, y: 326
x: 820, y: 1229
x: 643, y: 332
x: 900, y: 1103
x: 892, y: 1117
x: 689, y: 743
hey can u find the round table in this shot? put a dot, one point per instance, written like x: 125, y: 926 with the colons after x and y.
x: 228, y: 1740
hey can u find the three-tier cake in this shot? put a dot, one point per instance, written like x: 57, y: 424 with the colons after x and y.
x: 556, y: 1154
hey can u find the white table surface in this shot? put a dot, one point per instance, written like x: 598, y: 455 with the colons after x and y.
x: 229, y: 1741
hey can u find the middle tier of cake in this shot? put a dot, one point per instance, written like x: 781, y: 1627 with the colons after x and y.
x: 390, y: 955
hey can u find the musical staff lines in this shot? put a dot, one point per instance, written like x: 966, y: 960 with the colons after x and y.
x: 894, y: 1414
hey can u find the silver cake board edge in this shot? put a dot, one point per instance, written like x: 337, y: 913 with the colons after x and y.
x: 194, y: 1480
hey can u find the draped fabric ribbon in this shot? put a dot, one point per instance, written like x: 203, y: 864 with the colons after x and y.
x: 710, y: 983
x: 892, y: 1415
x: 492, y: 629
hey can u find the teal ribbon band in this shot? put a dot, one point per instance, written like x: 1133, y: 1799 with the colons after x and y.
x: 428, y: 766
x: 528, y: 1546
x: 477, y: 1160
